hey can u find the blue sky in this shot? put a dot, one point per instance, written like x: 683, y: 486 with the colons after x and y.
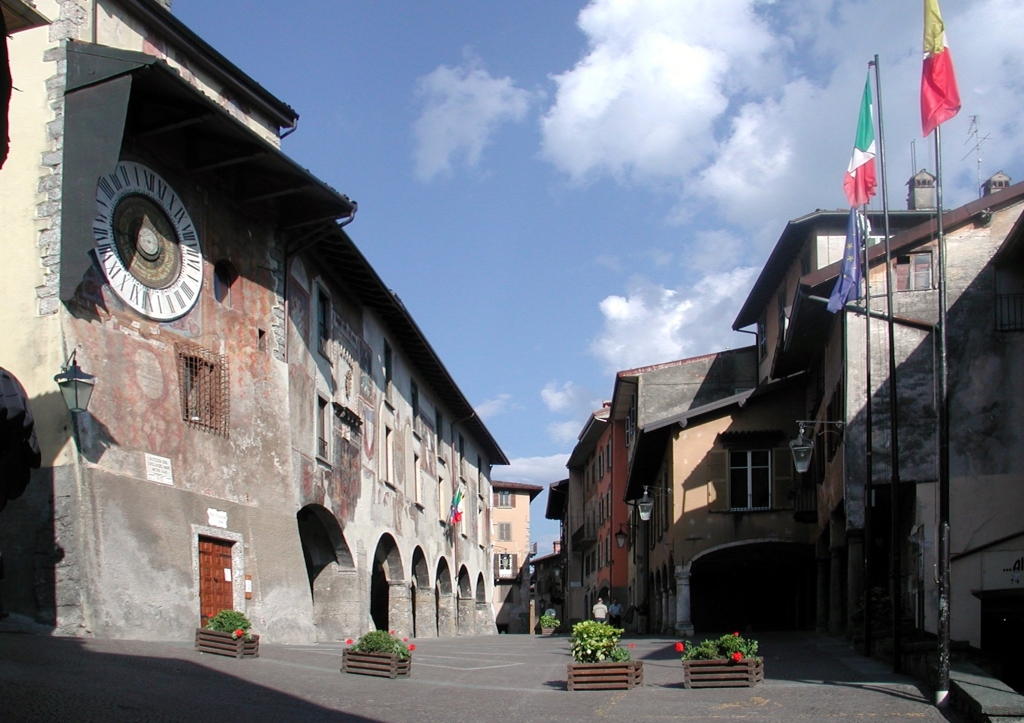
x: 557, y: 190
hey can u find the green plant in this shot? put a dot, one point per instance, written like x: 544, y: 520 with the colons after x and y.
x: 230, y: 621
x: 594, y: 642
x: 381, y: 641
x: 727, y: 647
x: 549, y: 621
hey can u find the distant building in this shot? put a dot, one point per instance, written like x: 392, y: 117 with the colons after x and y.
x: 510, y: 540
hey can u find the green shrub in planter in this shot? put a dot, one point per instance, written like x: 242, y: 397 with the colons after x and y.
x: 381, y: 641
x: 549, y: 621
x: 594, y: 642
x: 727, y: 647
x: 230, y: 621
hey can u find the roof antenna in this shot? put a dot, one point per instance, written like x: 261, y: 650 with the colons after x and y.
x: 974, y: 133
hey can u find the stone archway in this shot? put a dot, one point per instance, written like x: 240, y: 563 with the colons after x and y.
x: 424, y: 605
x: 466, y: 623
x: 333, y: 583
x: 390, y: 605
x: 484, y: 610
x: 445, y: 601
x: 777, y: 577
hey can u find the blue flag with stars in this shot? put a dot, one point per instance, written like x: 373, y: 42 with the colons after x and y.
x: 848, y: 284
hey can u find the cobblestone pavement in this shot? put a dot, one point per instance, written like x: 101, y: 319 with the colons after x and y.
x: 807, y: 678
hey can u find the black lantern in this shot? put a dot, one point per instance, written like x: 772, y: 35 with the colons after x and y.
x: 75, y: 385
x: 620, y: 537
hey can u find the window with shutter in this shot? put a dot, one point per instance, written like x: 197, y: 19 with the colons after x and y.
x: 749, y: 480
x: 782, y: 479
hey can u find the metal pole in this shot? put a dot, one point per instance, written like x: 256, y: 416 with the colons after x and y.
x: 942, y: 693
x: 894, y: 438
x: 868, y: 436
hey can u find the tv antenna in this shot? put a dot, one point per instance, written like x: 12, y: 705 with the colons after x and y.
x: 974, y: 134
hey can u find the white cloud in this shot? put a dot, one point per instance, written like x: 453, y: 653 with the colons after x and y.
x: 567, y: 397
x: 654, y: 324
x: 565, y: 432
x: 535, y: 470
x: 745, y: 110
x: 643, y: 103
x: 493, y: 407
x: 463, y: 107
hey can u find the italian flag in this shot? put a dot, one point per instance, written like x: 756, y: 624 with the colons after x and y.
x: 940, y: 97
x: 455, y: 515
x: 860, y: 180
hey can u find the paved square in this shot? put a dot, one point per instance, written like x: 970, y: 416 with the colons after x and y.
x: 498, y: 678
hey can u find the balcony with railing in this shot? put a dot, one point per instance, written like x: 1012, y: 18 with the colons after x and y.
x: 584, y: 531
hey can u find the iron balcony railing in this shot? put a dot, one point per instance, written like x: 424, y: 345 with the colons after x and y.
x: 1009, y: 312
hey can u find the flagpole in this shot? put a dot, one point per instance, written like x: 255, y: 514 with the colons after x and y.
x: 894, y: 438
x: 942, y: 693
x: 868, y: 425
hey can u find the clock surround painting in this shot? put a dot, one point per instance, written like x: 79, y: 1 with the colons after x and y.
x: 146, y: 242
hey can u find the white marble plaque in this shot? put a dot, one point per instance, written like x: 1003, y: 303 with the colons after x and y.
x: 217, y: 518
x: 158, y: 469
x: 1002, y: 570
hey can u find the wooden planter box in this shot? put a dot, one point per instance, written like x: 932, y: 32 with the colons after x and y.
x: 218, y: 643
x: 606, y: 676
x: 722, y: 673
x: 382, y: 665
x: 547, y: 631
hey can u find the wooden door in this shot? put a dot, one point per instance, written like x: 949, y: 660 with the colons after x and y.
x: 215, y: 578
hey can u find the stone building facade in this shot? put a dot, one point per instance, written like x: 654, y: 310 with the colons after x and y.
x: 269, y: 430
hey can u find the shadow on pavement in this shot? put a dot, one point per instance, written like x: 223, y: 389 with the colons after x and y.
x: 61, y: 679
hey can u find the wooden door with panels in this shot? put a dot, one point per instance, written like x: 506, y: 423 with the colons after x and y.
x: 216, y: 591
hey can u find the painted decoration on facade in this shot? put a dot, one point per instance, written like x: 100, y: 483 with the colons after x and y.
x: 344, y: 479
x: 369, y: 431
x: 298, y: 329
x: 366, y: 390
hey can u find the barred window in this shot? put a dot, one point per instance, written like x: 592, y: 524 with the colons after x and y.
x: 203, y: 387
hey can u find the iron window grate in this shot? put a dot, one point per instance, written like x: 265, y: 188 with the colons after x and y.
x: 203, y: 388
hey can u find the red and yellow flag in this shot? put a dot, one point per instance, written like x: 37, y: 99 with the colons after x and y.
x: 940, y: 97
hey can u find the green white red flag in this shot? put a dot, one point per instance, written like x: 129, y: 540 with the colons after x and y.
x: 940, y: 97
x: 860, y: 180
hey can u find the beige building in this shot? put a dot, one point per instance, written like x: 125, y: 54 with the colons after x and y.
x: 269, y: 431
x: 510, y: 535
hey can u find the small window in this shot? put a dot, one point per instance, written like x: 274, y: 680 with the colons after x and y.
x: 224, y: 276
x: 439, y: 426
x: 504, y: 498
x: 323, y: 321
x: 414, y: 400
x: 323, y: 424
x: 388, y: 366
x: 762, y: 338
x: 204, y: 389
x: 914, y: 272
x: 749, y: 479
x: 505, y: 565
x: 505, y: 531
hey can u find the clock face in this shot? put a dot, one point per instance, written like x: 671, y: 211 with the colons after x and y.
x: 146, y: 242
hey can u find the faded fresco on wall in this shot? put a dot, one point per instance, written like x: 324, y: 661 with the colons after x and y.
x: 369, y: 431
x: 344, y: 479
x: 366, y: 371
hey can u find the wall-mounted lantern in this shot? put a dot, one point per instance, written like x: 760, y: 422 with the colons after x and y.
x: 75, y: 385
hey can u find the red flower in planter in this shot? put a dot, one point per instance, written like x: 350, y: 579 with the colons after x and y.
x: 632, y: 645
x: 405, y: 640
x: 238, y: 633
x: 348, y: 642
x: 736, y: 635
x: 412, y: 648
x: 392, y: 632
x: 680, y: 647
x: 737, y: 656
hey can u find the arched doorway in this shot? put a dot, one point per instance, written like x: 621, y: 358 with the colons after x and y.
x: 467, y: 604
x: 484, y: 610
x: 424, y: 610
x: 389, y: 597
x: 332, y: 576
x: 444, y: 600
x: 761, y: 585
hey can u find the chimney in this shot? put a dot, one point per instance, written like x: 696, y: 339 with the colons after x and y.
x: 921, y: 191
x: 557, y: 544
x: 997, y: 183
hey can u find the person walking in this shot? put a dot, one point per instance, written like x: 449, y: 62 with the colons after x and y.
x: 615, y: 613
x: 600, y: 611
